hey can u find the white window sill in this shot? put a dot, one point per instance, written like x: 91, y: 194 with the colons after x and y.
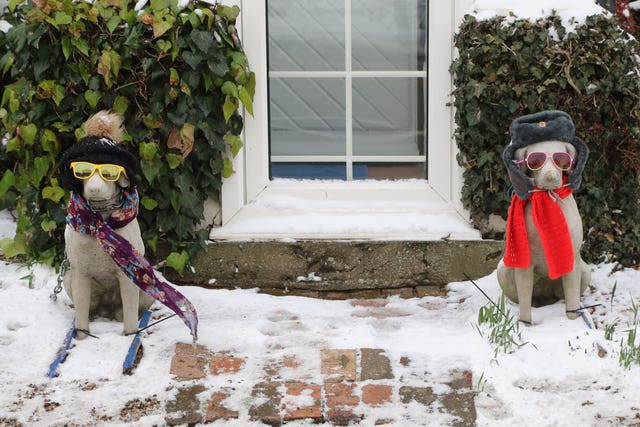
x: 354, y: 210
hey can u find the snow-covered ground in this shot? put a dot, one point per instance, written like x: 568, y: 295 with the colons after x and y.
x: 560, y: 379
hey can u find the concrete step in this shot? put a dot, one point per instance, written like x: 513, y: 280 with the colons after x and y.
x: 342, y: 269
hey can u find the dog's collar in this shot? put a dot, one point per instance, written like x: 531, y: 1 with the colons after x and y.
x: 122, y: 214
x: 106, y: 206
x: 554, y: 192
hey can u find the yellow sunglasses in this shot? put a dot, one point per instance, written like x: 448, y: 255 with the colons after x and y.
x: 108, y: 172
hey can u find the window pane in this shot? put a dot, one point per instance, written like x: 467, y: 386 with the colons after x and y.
x: 388, y: 35
x: 307, y: 116
x: 389, y: 116
x: 308, y: 170
x: 306, y: 35
x: 375, y: 170
x: 308, y: 110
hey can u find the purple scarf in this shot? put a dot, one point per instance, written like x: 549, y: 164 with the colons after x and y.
x: 86, y: 221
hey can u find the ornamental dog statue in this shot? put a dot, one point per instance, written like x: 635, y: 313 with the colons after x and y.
x: 544, y: 161
x: 107, y: 268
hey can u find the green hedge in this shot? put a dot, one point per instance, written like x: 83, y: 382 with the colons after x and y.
x: 178, y: 76
x: 509, y: 67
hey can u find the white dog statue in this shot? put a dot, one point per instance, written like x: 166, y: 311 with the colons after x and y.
x: 99, y: 169
x: 544, y: 229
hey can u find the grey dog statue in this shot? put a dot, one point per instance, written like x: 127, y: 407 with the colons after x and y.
x: 544, y: 160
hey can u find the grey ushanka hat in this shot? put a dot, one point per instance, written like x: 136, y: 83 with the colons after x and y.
x: 550, y: 125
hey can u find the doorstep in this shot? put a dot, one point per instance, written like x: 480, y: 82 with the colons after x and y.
x: 378, y: 210
x: 328, y: 241
x: 342, y: 269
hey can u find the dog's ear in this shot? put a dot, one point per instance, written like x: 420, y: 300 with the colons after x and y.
x: 123, y: 181
x: 572, y: 152
x: 521, y: 154
x: 521, y: 181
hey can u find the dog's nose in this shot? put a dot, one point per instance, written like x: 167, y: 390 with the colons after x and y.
x: 93, y: 191
x: 92, y: 187
x: 551, y: 178
x: 96, y: 188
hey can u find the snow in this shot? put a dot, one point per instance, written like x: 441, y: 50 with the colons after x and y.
x: 7, y: 225
x: 367, y: 209
x: 181, y: 4
x: 559, y: 378
x: 572, y: 12
x: 560, y: 370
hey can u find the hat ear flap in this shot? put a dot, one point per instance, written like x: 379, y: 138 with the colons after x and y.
x: 580, y: 160
x: 67, y: 180
x: 521, y: 183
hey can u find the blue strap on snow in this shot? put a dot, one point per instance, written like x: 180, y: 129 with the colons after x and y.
x: 63, y: 351
x: 127, y: 366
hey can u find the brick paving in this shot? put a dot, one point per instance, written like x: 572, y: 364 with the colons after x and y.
x: 216, y: 409
x: 346, y: 386
x: 339, y: 365
x: 311, y: 410
x: 189, y: 361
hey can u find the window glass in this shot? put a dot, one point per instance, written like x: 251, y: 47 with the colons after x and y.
x: 347, y: 88
x: 388, y: 117
x: 388, y: 35
x: 389, y: 170
x: 313, y: 170
x: 306, y: 35
x: 307, y: 117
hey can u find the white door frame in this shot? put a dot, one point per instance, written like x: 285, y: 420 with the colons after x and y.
x: 251, y: 165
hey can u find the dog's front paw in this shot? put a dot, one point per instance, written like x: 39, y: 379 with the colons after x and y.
x: 526, y: 323
x: 572, y: 315
x: 81, y: 334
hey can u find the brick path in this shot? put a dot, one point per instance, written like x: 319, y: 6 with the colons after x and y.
x: 356, y: 385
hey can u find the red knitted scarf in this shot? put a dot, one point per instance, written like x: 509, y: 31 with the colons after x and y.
x: 552, y: 227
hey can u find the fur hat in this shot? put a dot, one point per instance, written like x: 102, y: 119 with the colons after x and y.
x: 550, y: 125
x: 100, y: 145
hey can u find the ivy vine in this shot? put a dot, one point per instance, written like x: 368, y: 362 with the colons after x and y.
x: 177, y: 74
x: 510, y: 67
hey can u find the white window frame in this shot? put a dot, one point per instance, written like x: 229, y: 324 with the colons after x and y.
x: 251, y: 165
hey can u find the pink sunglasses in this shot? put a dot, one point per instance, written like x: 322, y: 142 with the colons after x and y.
x: 537, y: 159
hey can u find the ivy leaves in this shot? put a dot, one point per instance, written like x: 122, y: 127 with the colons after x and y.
x: 178, y: 75
x: 507, y: 68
